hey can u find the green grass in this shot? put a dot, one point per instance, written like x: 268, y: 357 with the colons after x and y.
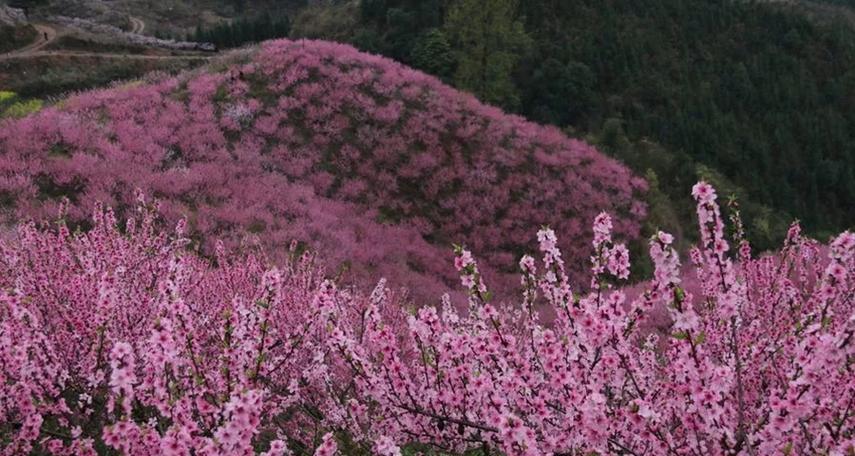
x: 12, y: 106
x: 22, y: 108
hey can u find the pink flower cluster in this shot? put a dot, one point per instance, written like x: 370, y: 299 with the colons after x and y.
x: 758, y: 362
x: 375, y: 166
x: 121, y: 339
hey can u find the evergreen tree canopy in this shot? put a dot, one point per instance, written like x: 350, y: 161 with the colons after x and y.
x: 488, y: 41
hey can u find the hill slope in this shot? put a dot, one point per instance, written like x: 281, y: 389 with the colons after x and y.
x: 377, y: 166
x: 759, y: 91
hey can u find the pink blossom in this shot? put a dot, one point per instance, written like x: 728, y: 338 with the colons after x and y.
x: 703, y: 192
x: 384, y: 446
x: 372, y: 165
x: 328, y: 446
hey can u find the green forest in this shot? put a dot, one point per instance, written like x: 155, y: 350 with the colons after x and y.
x: 756, y: 97
x: 244, y: 30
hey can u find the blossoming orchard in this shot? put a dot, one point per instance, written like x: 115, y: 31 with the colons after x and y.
x: 137, y: 317
x: 117, y: 338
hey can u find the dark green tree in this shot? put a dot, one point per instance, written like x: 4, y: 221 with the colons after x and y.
x: 489, y: 41
x: 432, y: 53
x: 244, y: 30
x: 559, y: 93
x: 402, y: 32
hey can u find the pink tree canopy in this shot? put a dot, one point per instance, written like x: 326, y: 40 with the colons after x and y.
x: 377, y: 167
x: 120, y: 338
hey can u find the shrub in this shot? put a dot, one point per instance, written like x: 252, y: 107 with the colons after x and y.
x: 118, y: 338
x: 22, y: 108
x: 13, y: 37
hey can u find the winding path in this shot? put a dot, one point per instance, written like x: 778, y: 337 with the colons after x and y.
x: 46, y: 34
x: 137, y: 25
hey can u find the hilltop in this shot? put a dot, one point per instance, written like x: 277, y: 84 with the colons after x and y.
x: 378, y: 167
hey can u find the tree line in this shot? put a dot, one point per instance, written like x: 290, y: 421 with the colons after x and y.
x: 244, y: 30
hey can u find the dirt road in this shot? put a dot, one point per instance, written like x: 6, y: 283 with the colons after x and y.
x: 46, y: 34
x: 137, y: 25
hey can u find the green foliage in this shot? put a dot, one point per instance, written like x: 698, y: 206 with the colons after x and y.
x: 403, y: 30
x: 335, y: 22
x: 612, y: 137
x: 666, y: 211
x: 372, y: 9
x: 766, y: 227
x: 432, y: 53
x: 244, y: 30
x: 21, y: 108
x: 488, y: 42
x: 12, y: 106
x: 763, y: 96
x: 553, y: 82
x: 27, y: 3
x: 12, y: 38
x: 663, y: 214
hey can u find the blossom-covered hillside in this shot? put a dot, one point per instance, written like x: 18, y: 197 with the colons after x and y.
x: 377, y: 167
